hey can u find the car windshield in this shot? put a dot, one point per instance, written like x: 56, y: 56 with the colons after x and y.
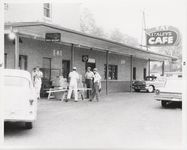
x: 16, y: 81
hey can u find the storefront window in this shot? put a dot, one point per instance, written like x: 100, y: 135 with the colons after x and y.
x: 47, y: 10
x: 46, y: 68
x: 112, y: 72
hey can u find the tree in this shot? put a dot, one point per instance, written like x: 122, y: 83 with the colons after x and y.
x: 89, y: 26
x: 118, y: 36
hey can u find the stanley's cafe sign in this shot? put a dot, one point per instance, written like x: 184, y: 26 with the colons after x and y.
x: 162, y: 36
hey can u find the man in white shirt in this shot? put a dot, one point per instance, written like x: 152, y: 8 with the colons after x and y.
x: 37, y: 76
x: 74, y: 77
x: 88, y: 79
x: 96, y: 85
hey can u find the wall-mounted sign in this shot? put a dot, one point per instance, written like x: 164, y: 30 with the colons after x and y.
x: 122, y: 61
x: 91, y: 60
x: 162, y: 36
x: 57, y: 52
x: 84, y: 58
x: 53, y: 37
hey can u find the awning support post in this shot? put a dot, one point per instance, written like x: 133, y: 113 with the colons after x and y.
x: 149, y: 67
x: 107, y: 60
x: 72, y: 56
x: 131, y: 70
x: 16, y: 53
x: 163, y: 68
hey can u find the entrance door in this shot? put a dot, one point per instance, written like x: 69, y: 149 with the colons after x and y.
x: 89, y: 64
x: 23, y: 62
x: 65, y: 68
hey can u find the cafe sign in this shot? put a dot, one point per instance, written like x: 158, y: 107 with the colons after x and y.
x: 162, y: 36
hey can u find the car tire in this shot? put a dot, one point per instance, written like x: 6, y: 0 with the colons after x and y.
x: 164, y: 104
x: 150, y: 89
x: 28, y: 125
x: 136, y: 90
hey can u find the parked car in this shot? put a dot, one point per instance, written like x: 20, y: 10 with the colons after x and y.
x: 20, y: 102
x: 149, y: 84
x: 171, y: 92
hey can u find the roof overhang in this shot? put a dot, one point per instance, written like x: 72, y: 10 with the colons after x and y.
x: 37, y: 30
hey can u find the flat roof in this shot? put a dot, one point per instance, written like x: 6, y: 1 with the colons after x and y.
x: 39, y: 29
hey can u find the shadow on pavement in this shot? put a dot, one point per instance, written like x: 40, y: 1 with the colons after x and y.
x: 172, y: 105
x: 11, y: 128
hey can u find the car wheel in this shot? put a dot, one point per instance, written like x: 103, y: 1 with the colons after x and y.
x: 136, y: 90
x: 164, y: 103
x: 28, y: 125
x: 150, y: 89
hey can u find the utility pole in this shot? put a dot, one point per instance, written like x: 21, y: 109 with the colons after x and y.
x: 143, y: 35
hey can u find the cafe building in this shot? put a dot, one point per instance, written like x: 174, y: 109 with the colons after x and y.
x: 56, y: 50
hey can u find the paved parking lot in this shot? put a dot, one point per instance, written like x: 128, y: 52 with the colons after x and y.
x: 118, y: 120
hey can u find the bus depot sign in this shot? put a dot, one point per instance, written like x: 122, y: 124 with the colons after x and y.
x: 52, y: 37
x: 162, y: 36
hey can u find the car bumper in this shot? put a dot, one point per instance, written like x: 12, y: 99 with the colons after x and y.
x: 16, y: 117
x: 176, y: 97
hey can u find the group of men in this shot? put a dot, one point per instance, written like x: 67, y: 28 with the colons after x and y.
x: 92, y: 80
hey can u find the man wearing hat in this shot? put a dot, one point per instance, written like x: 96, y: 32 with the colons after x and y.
x: 88, y: 79
x: 74, y: 77
x: 96, y: 85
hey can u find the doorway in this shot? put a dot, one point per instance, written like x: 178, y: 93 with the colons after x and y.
x: 90, y: 64
x: 65, y: 68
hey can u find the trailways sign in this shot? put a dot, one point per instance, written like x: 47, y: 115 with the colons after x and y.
x: 52, y: 37
x: 162, y: 36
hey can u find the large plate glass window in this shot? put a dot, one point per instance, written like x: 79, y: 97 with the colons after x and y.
x: 112, y: 72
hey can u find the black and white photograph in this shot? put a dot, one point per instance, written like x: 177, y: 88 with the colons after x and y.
x: 88, y: 74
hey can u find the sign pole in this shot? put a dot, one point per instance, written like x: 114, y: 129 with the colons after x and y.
x: 107, y: 60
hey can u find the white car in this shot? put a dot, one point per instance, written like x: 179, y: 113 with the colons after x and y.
x: 20, y: 102
x: 171, y: 92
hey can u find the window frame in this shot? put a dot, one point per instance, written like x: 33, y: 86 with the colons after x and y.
x: 112, y: 72
x: 47, y: 10
x: 44, y: 69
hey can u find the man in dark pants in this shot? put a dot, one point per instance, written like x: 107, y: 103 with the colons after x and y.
x: 96, y: 85
x: 88, y: 80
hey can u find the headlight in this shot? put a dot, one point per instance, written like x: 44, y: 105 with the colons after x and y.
x: 157, y: 92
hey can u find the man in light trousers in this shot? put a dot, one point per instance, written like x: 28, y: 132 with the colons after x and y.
x: 74, y: 77
x: 37, y: 76
x: 96, y: 85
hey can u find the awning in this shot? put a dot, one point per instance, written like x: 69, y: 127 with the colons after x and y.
x: 38, y: 30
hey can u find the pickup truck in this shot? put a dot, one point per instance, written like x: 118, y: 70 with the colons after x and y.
x: 171, y: 92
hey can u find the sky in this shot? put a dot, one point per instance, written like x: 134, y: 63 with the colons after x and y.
x: 127, y: 15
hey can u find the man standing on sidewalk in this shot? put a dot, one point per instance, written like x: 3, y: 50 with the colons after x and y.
x: 96, y: 85
x: 74, y: 77
x: 88, y: 80
x: 37, y: 76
